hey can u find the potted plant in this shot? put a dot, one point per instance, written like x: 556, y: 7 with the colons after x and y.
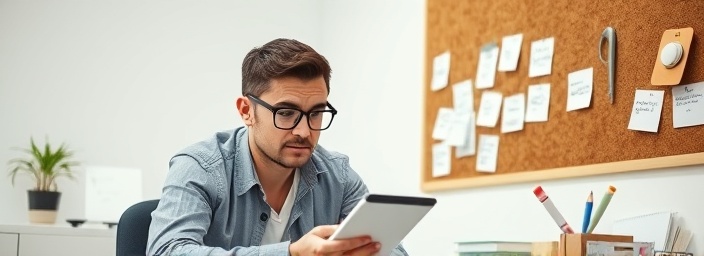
x: 44, y: 167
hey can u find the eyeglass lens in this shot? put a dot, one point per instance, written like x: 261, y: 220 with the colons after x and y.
x: 288, y: 118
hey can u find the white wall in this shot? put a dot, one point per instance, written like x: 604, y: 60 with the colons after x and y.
x: 127, y: 83
x: 155, y: 76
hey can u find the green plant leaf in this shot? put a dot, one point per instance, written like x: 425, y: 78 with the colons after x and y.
x: 45, y: 166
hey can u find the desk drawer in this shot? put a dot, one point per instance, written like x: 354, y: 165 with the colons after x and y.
x: 56, y: 245
x: 8, y: 244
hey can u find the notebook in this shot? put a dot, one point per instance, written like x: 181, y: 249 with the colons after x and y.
x: 653, y: 227
x: 494, y: 246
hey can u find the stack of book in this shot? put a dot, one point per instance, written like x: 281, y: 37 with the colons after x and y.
x: 494, y: 248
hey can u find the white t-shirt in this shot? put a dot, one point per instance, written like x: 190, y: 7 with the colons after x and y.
x: 277, y: 221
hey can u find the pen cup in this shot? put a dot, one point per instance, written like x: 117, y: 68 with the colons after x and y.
x: 576, y: 244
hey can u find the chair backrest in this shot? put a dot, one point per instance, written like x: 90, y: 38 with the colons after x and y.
x: 133, y: 228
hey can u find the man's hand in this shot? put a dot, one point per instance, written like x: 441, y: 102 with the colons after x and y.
x: 316, y: 243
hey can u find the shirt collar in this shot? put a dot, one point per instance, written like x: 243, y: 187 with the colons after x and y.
x: 244, y: 166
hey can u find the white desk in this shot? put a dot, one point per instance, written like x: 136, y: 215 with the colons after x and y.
x: 59, y: 240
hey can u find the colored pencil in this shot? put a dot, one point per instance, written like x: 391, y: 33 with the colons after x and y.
x: 554, y: 213
x: 602, y: 207
x: 588, y: 211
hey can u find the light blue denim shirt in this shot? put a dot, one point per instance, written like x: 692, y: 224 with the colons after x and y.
x: 212, y: 202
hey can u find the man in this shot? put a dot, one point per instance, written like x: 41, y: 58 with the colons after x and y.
x: 266, y: 188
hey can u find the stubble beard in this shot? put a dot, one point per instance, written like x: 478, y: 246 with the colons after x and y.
x: 278, y: 159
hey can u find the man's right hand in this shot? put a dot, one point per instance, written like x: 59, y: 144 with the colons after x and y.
x: 316, y: 243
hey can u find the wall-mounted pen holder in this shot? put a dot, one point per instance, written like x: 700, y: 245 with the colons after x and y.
x: 576, y: 244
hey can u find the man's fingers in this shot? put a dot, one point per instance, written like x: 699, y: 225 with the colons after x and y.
x: 352, y: 243
x: 362, y: 245
x: 346, y: 244
x: 324, y: 231
x: 368, y: 249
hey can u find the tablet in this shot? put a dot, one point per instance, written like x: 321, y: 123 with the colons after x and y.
x: 386, y: 218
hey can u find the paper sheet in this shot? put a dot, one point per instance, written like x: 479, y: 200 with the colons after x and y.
x: 579, y: 89
x: 676, y: 223
x: 682, y: 241
x: 688, y: 105
x: 513, y: 113
x: 541, y: 52
x: 647, y: 108
x: 486, y: 70
x: 469, y: 147
x: 510, y: 51
x: 441, y: 71
x: 441, y: 159
x: 488, y: 153
x: 463, y: 97
x: 443, y: 123
x: 652, y: 227
x: 110, y: 191
x: 538, y: 103
x: 489, y: 109
x: 458, y: 129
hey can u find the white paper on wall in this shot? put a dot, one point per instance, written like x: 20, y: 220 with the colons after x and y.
x: 110, y: 191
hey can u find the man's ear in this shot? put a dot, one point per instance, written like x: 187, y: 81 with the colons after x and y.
x: 246, y: 110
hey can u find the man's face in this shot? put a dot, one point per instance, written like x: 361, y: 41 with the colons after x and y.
x: 287, y: 148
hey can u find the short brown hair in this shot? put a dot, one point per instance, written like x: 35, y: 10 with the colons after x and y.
x: 281, y: 58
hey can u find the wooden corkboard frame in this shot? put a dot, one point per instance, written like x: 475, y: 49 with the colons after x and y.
x: 585, y: 142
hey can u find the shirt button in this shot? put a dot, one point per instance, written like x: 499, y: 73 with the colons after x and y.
x: 263, y: 217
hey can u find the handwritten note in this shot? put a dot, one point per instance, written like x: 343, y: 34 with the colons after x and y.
x: 458, y: 129
x: 488, y: 153
x: 647, y: 106
x: 541, y: 52
x: 443, y: 123
x: 441, y: 159
x: 441, y: 71
x: 688, y: 105
x: 538, y: 103
x: 469, y: 147
x: 489, y: 109
x: 486, y: 70
x: 513, y: 113
x: 510, y: 51
x: 463, y: 97
x: 579, y: 89
x: 110, y: 191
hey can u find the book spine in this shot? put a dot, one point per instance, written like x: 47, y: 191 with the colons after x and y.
x: 494, y: 254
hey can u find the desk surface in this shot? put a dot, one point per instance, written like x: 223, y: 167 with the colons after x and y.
x: 58, y: 229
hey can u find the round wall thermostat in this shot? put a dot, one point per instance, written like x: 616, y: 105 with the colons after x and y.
x: 671, y: 54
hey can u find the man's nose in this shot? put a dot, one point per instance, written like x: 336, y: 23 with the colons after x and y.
x: 302, y: 128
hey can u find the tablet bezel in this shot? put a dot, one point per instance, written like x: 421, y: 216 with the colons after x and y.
x: 394, y: 229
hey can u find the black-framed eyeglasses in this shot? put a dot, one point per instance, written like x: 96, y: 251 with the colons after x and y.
x: 287, y: 118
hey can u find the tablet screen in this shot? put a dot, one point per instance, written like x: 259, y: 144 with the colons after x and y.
x: 386, y: 218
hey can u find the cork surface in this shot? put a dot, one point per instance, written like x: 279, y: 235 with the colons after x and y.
x: 594, y: 135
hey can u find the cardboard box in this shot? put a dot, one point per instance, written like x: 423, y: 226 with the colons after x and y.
x: 576, y: 244
x: 545, y: 248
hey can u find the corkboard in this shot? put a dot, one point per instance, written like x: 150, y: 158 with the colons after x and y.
x: 585, y: 142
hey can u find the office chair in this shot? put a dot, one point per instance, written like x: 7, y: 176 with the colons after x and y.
x: 133, y: 228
